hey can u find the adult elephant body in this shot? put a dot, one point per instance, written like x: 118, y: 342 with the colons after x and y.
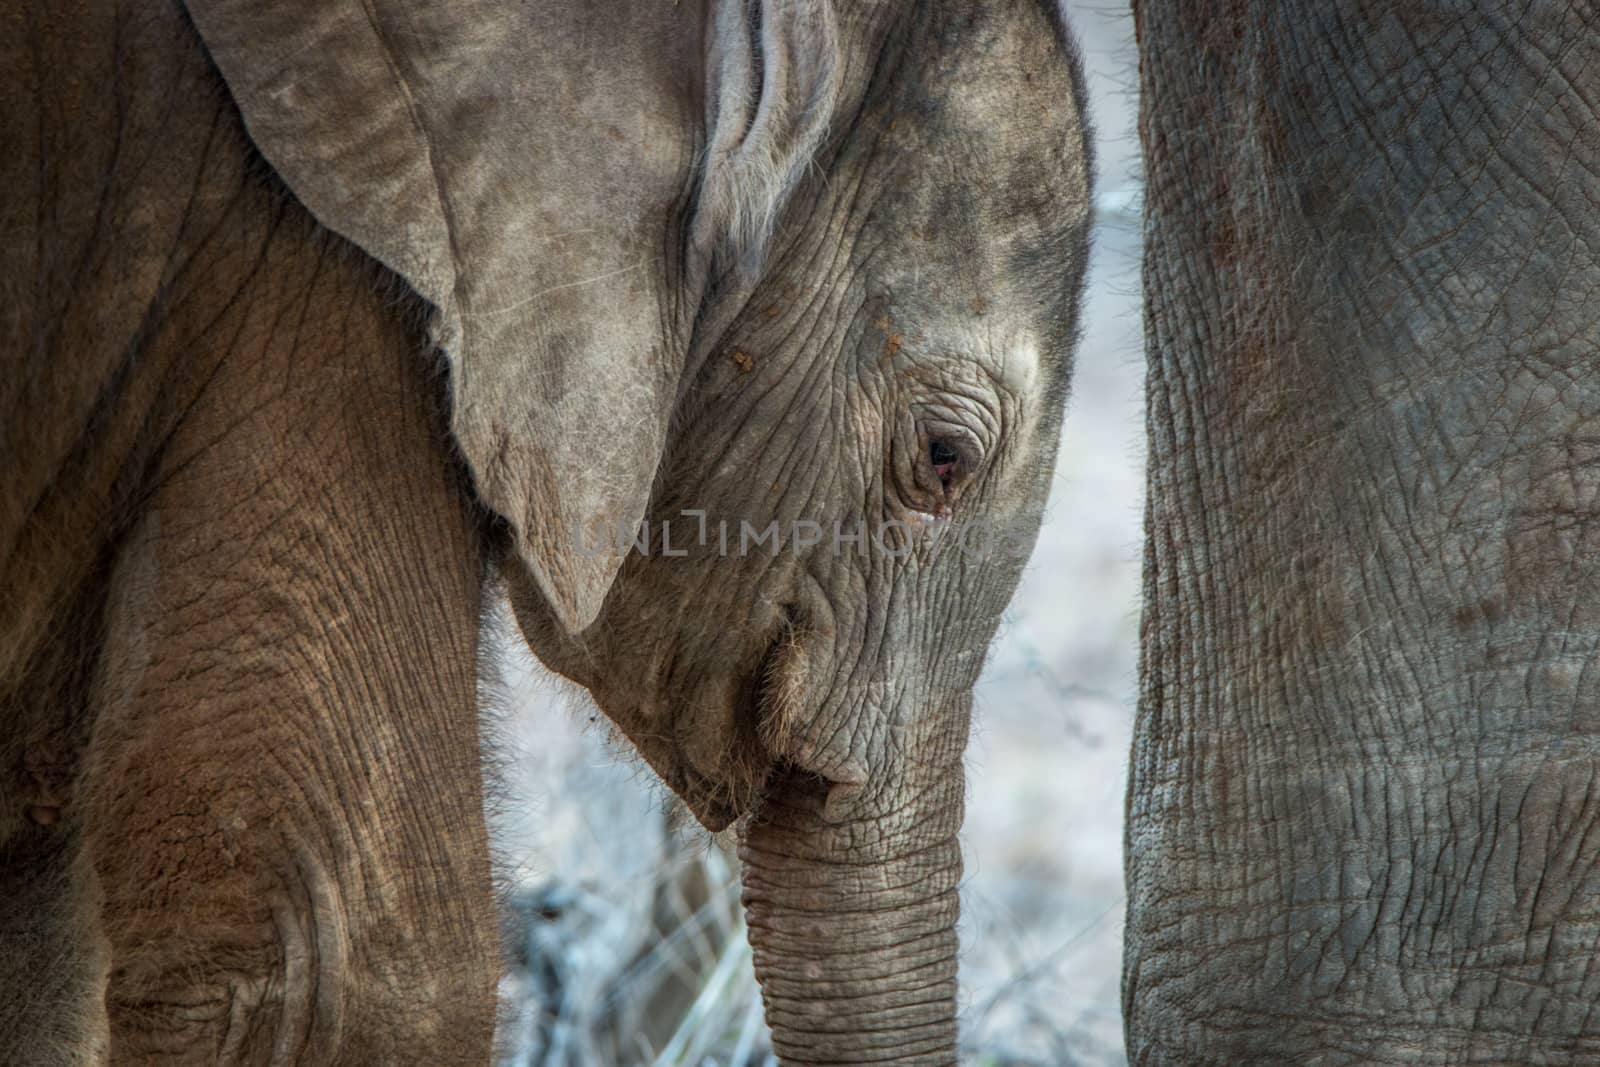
x: 237, y: 674
x: 1362, y: 810
x: 301, y: 345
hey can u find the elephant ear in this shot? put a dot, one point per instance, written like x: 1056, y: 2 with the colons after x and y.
x: 554, y: 178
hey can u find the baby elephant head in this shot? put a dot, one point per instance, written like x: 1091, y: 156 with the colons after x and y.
x: 759, y: 317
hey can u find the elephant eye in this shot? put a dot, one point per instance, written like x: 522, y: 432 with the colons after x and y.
x: 945, y: 458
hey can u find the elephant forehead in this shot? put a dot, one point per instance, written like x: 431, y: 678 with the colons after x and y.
x: 1018, y: 364
x: 965, y: 343
x: 981, y: 285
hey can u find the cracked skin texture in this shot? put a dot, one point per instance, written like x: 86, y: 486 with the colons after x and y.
x: 1362, y: 815
x: 248, y: 574
x: 238, y: 652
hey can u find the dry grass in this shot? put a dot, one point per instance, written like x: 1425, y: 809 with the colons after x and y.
x: 683, y: 996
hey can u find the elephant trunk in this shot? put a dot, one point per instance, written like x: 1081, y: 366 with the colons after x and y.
x: 852, y: 919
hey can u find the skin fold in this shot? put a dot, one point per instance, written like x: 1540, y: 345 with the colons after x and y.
x: 248, y: 578
x: 1361, y: 819
x: 278, y: 413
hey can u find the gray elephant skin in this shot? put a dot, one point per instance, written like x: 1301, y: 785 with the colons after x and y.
x: 326, y: 322
x: 1362, y: 816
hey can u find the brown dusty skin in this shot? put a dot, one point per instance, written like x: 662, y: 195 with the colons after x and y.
x: 246, y: 575
x: 243, y: 578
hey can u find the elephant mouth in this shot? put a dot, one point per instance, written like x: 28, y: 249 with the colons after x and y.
x: 718, y: 798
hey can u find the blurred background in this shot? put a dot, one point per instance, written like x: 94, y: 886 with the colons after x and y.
x: 623, y: 915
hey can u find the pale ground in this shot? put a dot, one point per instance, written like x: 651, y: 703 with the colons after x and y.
x: 583, y: 828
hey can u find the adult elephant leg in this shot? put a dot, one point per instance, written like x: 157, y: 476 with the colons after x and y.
x: 52, y: 954
x: 282, y: 798
x: 1362, y: 819
x: 231, y: 456
x: 52, y: 960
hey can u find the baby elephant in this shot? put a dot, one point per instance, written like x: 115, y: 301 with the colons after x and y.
x: 729, y: 338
